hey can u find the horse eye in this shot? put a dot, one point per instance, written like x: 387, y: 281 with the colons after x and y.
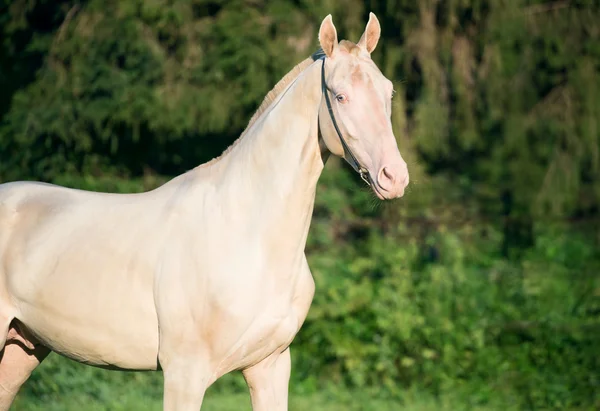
x: 341, y: 98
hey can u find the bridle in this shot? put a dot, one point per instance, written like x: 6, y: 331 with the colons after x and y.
x: 348, y: 155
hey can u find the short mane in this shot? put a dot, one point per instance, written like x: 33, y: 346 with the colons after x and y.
x: 282, y: 84
x: 270, y: 98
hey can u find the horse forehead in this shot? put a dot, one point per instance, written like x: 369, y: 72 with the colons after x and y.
x: 357, y: 75
x: 359, y: 72
x: 365, y: 78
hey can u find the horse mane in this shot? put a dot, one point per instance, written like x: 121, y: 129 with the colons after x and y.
x: 270, y: 98
x: 281, y: 85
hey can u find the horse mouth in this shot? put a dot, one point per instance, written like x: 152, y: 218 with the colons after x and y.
x: 375, y: 187
x: 383, y: 194
x: 378, y: 193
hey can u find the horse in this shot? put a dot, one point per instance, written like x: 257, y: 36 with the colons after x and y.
x: 207, y: 273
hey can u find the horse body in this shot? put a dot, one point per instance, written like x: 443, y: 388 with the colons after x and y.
x: 203, y: 275
x: 78, y: 268
x: 90, y: 272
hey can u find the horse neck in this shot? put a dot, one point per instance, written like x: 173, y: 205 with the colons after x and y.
x: 269, y: 178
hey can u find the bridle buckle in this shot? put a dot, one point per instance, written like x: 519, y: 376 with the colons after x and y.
x: 364, y: 175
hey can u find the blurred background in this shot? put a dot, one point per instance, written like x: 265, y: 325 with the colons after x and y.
x: 479, y: 290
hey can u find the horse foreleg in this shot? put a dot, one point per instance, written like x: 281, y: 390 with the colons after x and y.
x: 268, y: 382
x: 16, y: 365
x: 184, y: 386
x: 186, y: 375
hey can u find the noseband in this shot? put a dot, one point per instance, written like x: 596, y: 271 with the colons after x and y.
x: 348, y: 155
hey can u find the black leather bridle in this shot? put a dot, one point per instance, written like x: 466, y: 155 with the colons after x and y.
x: 348, y: 155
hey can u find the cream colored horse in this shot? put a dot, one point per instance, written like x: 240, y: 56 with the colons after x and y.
x: 207, y: 273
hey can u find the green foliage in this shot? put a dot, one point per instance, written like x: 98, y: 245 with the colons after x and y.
x: 127, y: 397
x: 504, y: 94
x: 122, y: 83
x: 432, y: 308
x: 443, y: 310
x: 459, y: 323
x: 479, y: 290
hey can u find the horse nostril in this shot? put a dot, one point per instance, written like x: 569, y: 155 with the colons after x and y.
x: 388, y: 174
x: 386, y: 178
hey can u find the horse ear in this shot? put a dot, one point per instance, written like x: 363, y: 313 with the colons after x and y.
x: 370, y: 37
x: 328, y: 36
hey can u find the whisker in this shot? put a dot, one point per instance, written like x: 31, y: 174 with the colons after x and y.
x: 375, y: 203
x: 372, y: 198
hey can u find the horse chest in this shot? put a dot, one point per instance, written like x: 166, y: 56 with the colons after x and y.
x: 268, y: 332
x: 270, y: 328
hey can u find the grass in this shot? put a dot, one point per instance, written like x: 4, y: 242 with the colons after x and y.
x: 214, y: 402
x: 63, y: 385
x: 219, y: 401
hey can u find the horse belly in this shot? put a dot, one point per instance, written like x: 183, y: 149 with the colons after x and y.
x: 92, y: 307
x: 96, y: 328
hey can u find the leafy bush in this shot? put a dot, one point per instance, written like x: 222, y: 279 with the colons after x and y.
x: 441, y: 312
